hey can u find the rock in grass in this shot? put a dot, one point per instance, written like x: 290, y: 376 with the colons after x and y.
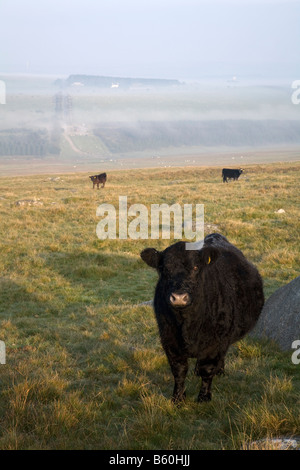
x: 147, y: 302
x: 280, y: 211
x: 29, y: 202
x: 280, y: 443
x: 280, y: 317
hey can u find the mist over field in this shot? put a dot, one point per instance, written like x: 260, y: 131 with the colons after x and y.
x: 135, y: 83
x: 83, y: 120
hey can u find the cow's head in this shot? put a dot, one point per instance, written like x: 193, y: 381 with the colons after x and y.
x: 93, y: 178
x: 180, y: 270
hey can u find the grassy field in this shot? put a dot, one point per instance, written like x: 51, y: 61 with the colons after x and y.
x: 84, y: 365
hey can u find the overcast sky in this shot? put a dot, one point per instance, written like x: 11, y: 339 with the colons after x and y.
x: 151, y: 38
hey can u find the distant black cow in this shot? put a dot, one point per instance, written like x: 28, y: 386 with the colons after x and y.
x: 205, y: 300
x: 227, y: 173
x: 99, y: 179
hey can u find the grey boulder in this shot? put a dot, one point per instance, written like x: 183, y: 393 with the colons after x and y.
x: 280, y: 317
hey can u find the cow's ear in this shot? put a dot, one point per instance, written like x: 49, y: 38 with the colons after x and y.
x: 208, y: 255
x: 151, y: 257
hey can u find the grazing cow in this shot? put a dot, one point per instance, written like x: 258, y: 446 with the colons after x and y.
x: 231, y: 174
x: 99, y: 179
x: 205, y: 300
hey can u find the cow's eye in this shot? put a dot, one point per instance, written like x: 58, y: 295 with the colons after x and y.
x: 195, y: 268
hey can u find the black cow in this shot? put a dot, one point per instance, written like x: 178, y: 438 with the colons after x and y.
x: 205, y: 300
x: 99, y: 179
x: 227, y: 173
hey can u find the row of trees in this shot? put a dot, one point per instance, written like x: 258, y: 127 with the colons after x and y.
x: 30, y: 142
x: 38, y: 142
x: 126, y: 137
x: 24, y: 142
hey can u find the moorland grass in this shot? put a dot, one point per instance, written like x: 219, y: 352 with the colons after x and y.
x: 85, y: 368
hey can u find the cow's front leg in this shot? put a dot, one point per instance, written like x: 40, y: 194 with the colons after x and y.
x: 179, y: 368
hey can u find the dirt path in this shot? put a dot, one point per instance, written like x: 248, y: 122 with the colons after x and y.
x: 72, y: 145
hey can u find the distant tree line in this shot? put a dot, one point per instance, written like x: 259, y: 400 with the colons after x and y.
x: 106, y: 81
x: 39, y: 142
x: 126, y: 137
x: 24, y: 142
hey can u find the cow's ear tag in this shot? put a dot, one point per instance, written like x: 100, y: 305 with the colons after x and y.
x: 209, y: 260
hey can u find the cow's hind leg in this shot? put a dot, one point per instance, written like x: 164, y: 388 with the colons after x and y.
x: 207, y: 369
x: 220, y: 370
x: 205, y: 393
x: 179, y: 368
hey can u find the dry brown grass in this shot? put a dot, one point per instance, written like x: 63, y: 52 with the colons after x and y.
x: 85, y: 367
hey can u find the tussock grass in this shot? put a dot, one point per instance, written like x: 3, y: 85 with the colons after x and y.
x: 85, y: 368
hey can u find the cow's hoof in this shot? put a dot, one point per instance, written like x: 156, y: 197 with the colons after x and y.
x: 204, y: 397
x: 178, y: 400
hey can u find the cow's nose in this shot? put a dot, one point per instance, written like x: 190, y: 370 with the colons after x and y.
x: 179, y: 300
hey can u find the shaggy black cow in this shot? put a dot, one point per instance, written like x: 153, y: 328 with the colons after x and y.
x: 205, y: 300
x: 99, y: 179
x: 228, y: 173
